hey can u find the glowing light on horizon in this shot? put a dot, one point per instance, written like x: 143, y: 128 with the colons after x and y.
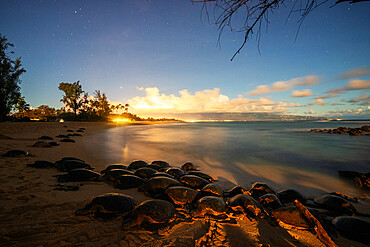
x: 121, y: 120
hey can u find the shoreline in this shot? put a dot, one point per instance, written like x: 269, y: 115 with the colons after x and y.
x: 36, y: 215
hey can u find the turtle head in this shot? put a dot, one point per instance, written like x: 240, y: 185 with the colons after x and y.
x: 82, y: 212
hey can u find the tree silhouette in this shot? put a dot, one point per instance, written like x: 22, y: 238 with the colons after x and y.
x: 10, y: 71
x: 72, y: 95
x: 248, y: 16
x: 22, y: 105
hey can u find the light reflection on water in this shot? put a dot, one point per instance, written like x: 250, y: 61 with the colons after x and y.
x: 283, y: 154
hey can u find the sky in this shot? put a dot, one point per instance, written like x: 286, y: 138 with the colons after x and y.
x: 163, y: 56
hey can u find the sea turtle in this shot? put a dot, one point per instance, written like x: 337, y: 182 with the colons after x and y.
x: 155, y: 167
x: 53, y: 144
x: 245, y: 203
x: 75, y: 134
x: 161, y: 174
x: 161, y: 163
x: 115, y: 166
x: 354, y: 228
x: 66, y: 165
x: 201, y: 174
x: 158, y: 185
x: 144, y: 172
x: 259, y: 189
x: 213, y: 189
x: 236, y: 190
x: 176, y: 172
x: 80, y: 130
x: 67, y: 140
x: 128, y: 181
x: 15, y: 153
x: 194, y: 181
x: 188, y: 167
x: 78, y: 175
x: 181, y: 195
x: 4, y: 137
x: 335, y: 204
x: 293, y: 217
x: 42, y: 164
x: 213, y: 205
x: 70, y: 131
x: 137, y: 164
x: 45, y: 138
x: 68, y: 158
x: 62, y: 136
x: 150, y: 213
x: 113, y: 174
x: 289, y: 195
x: 270, y: 201
x: 41, y: 144
x: 108, y: 206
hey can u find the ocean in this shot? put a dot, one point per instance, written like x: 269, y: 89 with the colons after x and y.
x: 282, y: 154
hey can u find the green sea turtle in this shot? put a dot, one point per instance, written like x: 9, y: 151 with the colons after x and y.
x: 259, y: 189
x: 15, y: 153
x: 79, y: 130
x: 62, y: 136
x: 75, y: 134
x: 212, y: 205
x: 79, y: 175
x: 42, y: 164
x: 158, y: 185
x: 193, y: 181
x: 289, y: 195
x: 335, y: 204
x: 354, y: 228
x: 41, y: 144
x: 124, y: 182
x: 155, y: 167
x: 161, y: 163
x: 213, y: 190
x: 181, y: 195
x: 111, y: 175
x: 176, y: 172
x: 245, y: 203
x: 137, y: 164
x: 115, y: 166
x: 150, y: 213
x: 201, y: 174
x: 144, y: 172
x: 189, y: 167
x: 45, y: 138
x: 270, y: 201
x: 236, y: 190
x: 67, y: 140
x: 66, y: 165
x: 161, y: 174
x: 68, y: 158
x: 108, y: 206
x: 70, y: 131
x: 53, y: 144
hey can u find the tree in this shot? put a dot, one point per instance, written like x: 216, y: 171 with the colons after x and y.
x: 255, y: 14
x: 101, y: 104
x: 22, y: 105
x: 10, y: 72
x: 72, y: 95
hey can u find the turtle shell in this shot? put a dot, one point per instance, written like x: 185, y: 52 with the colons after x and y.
x: 162, y: 174
x: 79, y: 175
x: 194, y: 181
x: 137, y: 164
x: 113, y: 174
x: 188, y: 167
x: 111, y: 203
x: 259, y: 189
x: 41, y: 144
x: 246, y: 203
x: 15, y: 153
x: 270, y: 201
x: 158, y: 185
x: 128, y: 181
x: 236, y: 191
x: 213, y: 205
x: 354, y: 228
x: 155, y: 167
x: 181, y: 195
x: 115, y: 166
x: 161, y: 163
x: 45, y: 138
x: 145, y: 172
x: 201, y: 174
x: 289, y: 195
x: 176, y: 172
x: 213, y: 189
x: 66, y: 165
x: 42, y: 164
x: 152, y: 212
x: 335, y: 203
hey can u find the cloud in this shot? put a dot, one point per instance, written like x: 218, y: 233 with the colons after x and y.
x: 303, y: 93
x: 335, y: 104
x: 284, y: 85
x: 311, y: 112
x: 318, y: 102
x: 358, y: 112
x: 355, y: 73
x: 354, y: 84
x: 364, y: 99
x: 210, y: 100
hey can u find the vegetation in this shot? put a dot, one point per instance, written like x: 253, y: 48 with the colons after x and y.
x: 10, y: 72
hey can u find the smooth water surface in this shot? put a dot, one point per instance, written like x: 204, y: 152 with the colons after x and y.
x: 283, y: 154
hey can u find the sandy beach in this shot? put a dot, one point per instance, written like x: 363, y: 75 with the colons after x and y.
x: 33, y: 214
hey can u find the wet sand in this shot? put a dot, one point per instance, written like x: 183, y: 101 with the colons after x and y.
x: 33, y: 214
